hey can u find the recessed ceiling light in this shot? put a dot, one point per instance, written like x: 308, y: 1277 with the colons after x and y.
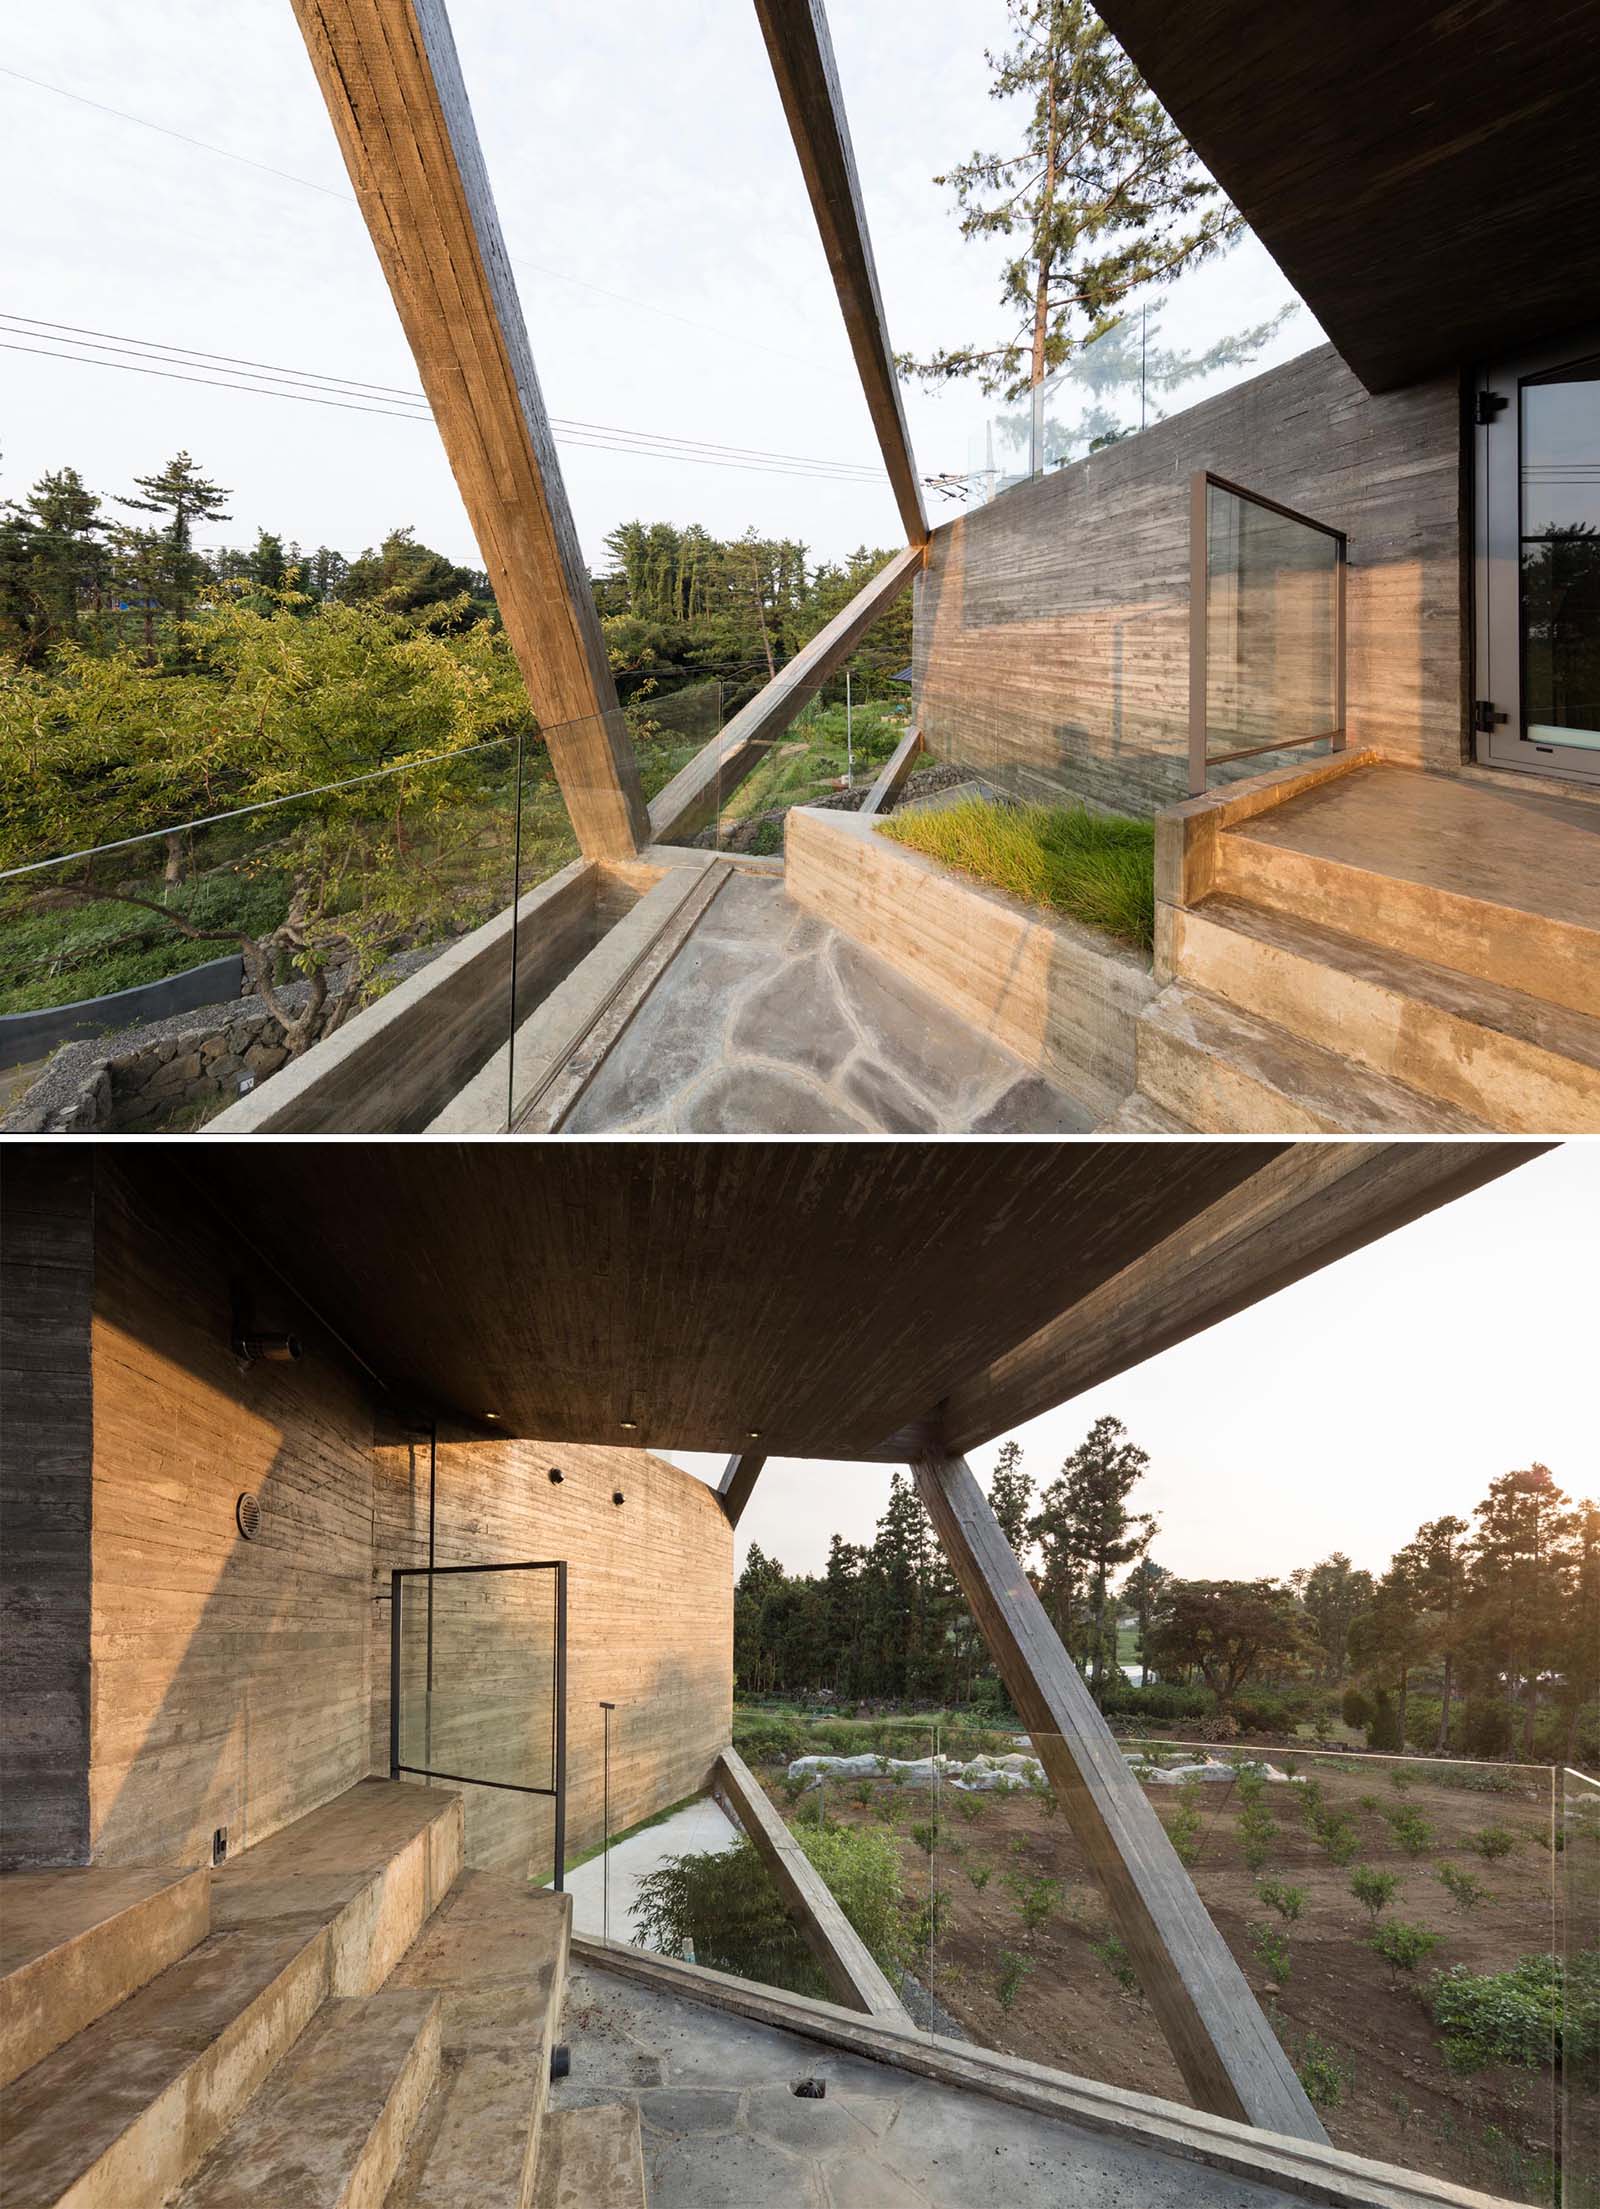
x: 754, y: 1435
x: 629, y: 1426
x: 491, y: 1415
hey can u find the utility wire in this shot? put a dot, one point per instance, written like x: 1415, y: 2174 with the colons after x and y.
x: 226, y: 153
x: 188, y: 356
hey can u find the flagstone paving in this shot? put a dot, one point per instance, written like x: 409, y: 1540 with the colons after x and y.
x: 769, y: 1022
x: 723, y: 2128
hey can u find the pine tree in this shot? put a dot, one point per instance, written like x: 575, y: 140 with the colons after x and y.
x: 1516, y: 1606
x: 1087, y: 1532
x: 1142, y: 1589
x: 181, y: 491
x: 1442, y: 1573
x: 1101, y: 197
x: 1010, y: 1496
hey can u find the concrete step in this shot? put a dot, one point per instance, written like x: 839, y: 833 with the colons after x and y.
x: 124, y: 2113
x: 330, y: 2128
x: 592, y: 2159
x: 1498, y: 884
x: 1139, y: 1115
x: 495, y: 1957
x: 1227, y: 1072
x: 73, y: 1944
x: 1509, y: 1060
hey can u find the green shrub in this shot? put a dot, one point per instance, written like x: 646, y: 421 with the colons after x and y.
x: 1272, y: 1951
x: 1465, y: 1889
x: 1374, y: 1890
x: 1383, y: 1728
x: 979, y: 1874
x: 728, y: 1905
x: 971, y: 1807
x: 926, y: 1835
x: 1412, y: 1832
x: 1013, y: 1970
x: 1337, y: 1836
x: 1355, y: 1710
x: 1113, y: 1953
x: 1183, y: 1831
x: 1257, y: 1830
x: 1403, y: 1946
x: 763, y: 1737
x: 1530, y: 2014
x: 1321, y: 2073
x: 1492, y: 1842
x: 1399, y: 1779
x: 1289, y: 1902
x: 1037, y: 1899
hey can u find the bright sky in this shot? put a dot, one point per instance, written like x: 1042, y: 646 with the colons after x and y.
x: 1340, y: 1414
x: 670, y: 271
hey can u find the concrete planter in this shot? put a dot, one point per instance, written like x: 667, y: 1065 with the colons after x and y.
x: 1063, y: 997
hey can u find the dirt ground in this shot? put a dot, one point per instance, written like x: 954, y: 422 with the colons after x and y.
x: 1391, y: 2094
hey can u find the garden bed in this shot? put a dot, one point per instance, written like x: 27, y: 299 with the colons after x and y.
x: 1025, y: 1960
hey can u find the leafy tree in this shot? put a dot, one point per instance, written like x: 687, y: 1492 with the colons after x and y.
x: 1388, y: 1640
x: 1142, y: 1589
x: 1440, y: 1569
x: 1101, y: 197
x: 1516, y: 1591
x: 1228, y: 1631
x: 1333, y: 1593
x: 406, y: 577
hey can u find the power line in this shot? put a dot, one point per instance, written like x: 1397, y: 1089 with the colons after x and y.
x: 226, y: 153
x: 186, y: 356
x: 826, y: 473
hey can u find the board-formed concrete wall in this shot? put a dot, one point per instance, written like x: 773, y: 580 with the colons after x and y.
x: 241, y: 1683
x: 1052, y: 626
x: 229, y: 1677
x: 649, y: 1628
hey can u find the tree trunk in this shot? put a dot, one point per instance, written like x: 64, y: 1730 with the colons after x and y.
x: 1530, y: 1713
x: 1400, y: 1714
x: 1442, y: 1745
x: 172, y: 873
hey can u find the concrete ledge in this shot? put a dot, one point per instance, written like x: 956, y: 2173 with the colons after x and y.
x: 511, y: 1087
x: 73, y: 1944
x: 390, y: 1067
x: 1308, y: 2170
x: 1063, y: 998
x: 1187, y: 835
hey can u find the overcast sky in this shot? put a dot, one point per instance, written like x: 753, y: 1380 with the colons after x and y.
x: 1340, y: 1414
x: 670, y: 271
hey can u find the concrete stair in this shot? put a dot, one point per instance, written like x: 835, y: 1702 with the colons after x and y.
x: 1216, y: 1067
x: 593, y: 2159
x: 330, y: 2127
x: 1505, y: 1059
x: 124, y: 2113
x: 73, y: 1944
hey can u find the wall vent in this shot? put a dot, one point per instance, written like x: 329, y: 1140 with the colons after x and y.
x: 247, y: 1511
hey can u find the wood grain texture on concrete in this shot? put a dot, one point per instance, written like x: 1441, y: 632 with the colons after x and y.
x: 1052, y: 626
x: 592, y: 2158
x: 1230, y: 2059
x: 486, y: 1275
x: 739, y: 1477
x: 329, y: 2128
x: 649, y: 1628
x: 495, y: 1960
x: 129, y: 2108
x: 1304, y: 1207
x: 1496, y: 882
x: 46, y: 1450
x: 807, y: 75
x: 1356, y: 186
x: 1063, y: 998
x: 693, y: 795
x: 230, y: 1677
x: 73, y: 1944
x: 389, y: 73
x: 849, y: 1966
x: 398, y: 1061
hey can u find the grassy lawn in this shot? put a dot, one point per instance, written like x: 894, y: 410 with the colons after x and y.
x: 1095, y: 867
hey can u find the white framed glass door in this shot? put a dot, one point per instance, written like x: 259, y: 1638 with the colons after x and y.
x: 1537, y: 699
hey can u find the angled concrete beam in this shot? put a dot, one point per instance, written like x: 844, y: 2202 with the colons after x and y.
x: 801, y: 52
x: 895, y: 771
x: 389, y: 73
x: 854, y: 1975
x: 692, y: 796
x: 738, y: 1478
x: 1226, y: 2050
x: 1308, y: 1205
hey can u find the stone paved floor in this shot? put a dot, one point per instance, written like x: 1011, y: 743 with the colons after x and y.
x: 723, y: 2128
x: 769, y: 1022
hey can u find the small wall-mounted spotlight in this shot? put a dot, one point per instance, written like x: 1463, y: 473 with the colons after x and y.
x: 268, y: 1349
x: 557, y: 1476
x: 617, y: 1497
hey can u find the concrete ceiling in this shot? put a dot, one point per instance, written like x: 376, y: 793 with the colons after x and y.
x: 809, y: 1299
x: 1424, y: 175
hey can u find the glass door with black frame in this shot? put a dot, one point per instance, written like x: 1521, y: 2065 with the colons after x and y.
x: 1539, y: 642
